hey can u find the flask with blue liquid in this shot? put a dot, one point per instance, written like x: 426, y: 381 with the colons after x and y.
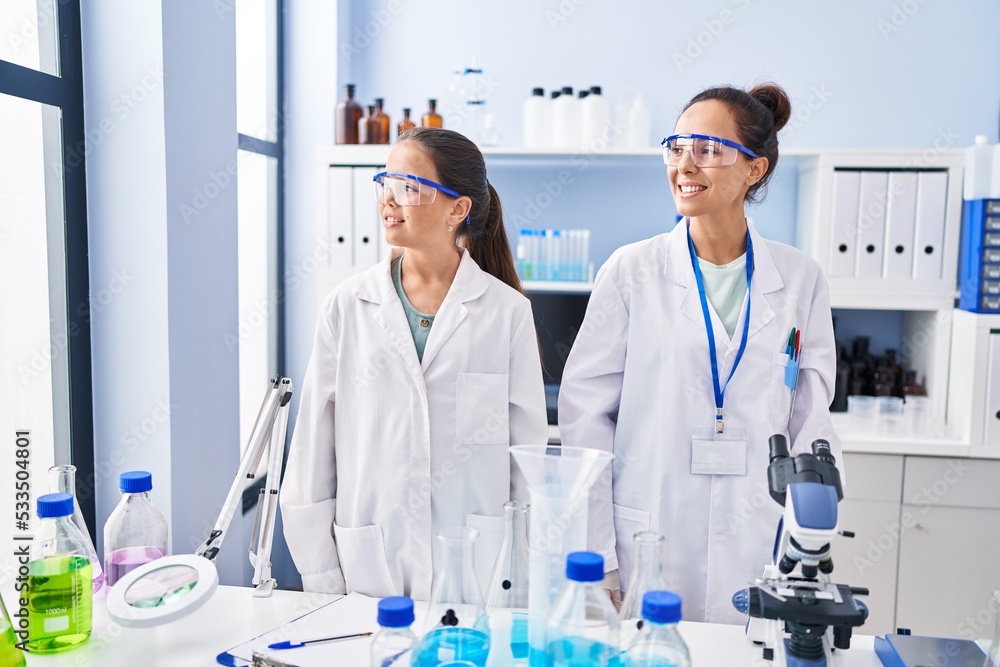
x: 658, y: 643
x: 582, y: 629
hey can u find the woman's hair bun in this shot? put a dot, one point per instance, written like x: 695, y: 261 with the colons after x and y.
x: 774, y: 97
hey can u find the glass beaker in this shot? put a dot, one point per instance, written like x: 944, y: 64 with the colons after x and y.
x: 993, y: 659
x: 62, y: 479
x: 509, y: 583
x: 647, y: 574
x: 559, y: 480
x: 457, y: 631
x: 10, y: 655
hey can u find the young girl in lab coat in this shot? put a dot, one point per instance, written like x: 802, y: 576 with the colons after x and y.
x: 424, y: 370
x: 691, y: 460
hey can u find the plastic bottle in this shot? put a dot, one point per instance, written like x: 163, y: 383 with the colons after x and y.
x: 582, y: 625
x: 978, y: 168
x: 537, y: 120
x: 10, y: 655
x: 395, y: 638
x: 370, y: 128
x: 501, y: 655
x: 383, y: 119
x: 490, y: 135
x: 405, y: 124
x: 62, y: 479
x: 566, y: 120
x: 596, y: 116
x: 136, y: 532
x: 60, y: 594
x: 346, y: 117
x: 658, y: 643
x: 638, y: 125
x: 431, y: 118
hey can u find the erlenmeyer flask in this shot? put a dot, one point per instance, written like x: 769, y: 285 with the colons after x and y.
x: 647, y: 575
x: 509, y: 583
x: 993, y: 659
x: 456, y: 632
x: 62, y: 479
x: 10, y: 655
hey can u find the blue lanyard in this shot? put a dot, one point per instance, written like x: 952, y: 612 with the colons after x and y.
x: 720, y: 392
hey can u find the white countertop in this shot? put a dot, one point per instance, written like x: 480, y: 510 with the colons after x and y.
x: 233, y: 616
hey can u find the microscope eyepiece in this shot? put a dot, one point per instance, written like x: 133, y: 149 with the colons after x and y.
x: 778, y: 444
x: 821, y: 450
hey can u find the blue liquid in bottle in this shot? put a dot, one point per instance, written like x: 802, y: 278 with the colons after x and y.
x: 581, y: 652
x: 519, y: 636
x: 453, y: 646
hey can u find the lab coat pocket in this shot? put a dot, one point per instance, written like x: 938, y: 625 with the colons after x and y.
x: 487, y: 546
x: 481, y: 409
x: 781, y: 394
x: 363, y: 562
x: 628, y: 522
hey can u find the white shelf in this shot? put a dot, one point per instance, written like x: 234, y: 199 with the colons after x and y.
x: 557, y: 286
x: 885, y: 294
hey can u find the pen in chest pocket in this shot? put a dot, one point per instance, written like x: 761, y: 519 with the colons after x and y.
x: 794, y: 352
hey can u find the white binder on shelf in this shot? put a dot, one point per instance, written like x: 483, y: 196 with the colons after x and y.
x: 338, y: 235
x: 871, y: 224
x: 844, y: 223
x: 367, y: 226
x: 900, y: 215
x: 928, y: 253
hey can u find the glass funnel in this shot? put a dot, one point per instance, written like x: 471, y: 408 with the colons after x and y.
x: 559, y: 481
x: 509, y: 583
x: 647, y: 575
x: 62, y: 479
x: 456, y: 629
x: 993, y: 659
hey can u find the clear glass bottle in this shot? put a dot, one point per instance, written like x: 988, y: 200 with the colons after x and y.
x: 346, y: 117
x: 647, y: 574
x: 136, y: 532
x: 10, y: 655
x: 659, y: 644
x: 62, y: 479
x: 456, y: 618
x: 60, y: 597
x: 383, y: 119
x: 395, y: 638
x: 432, y: 118
x: 509, y: 583
x: 582, y: 626
x: 993, y: 657
x: 405, y: 124
x: 370, y: 128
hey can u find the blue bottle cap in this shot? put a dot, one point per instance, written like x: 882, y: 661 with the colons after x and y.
x: 395, y: 612
x: 585, y: 566
x: 55, y: 504
x: 661, y: 607
x: 137, y: 481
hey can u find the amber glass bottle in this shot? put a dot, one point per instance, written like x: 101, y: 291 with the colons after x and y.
x: 383, y: 119
x: 369, y: 128
x: 405, y: 124
x: 346, y: 118
x: 432, y: 118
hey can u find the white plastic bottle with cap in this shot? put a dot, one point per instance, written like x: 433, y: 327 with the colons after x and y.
x: 638, y: 124
x: 596, y: 117
x: 978, y: 165
x: 566, y: 120
x: 537, y: 119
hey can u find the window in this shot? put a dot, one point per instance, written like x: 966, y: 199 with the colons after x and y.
x: 43, y: 249
x: 259, y: 182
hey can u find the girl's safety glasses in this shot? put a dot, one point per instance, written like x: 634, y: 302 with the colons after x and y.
x: 706, y: 151
x: 407, y: 189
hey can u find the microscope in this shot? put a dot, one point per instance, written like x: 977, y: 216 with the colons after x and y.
x: 795, y: 595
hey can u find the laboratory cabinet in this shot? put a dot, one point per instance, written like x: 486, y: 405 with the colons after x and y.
x: 974, y: 382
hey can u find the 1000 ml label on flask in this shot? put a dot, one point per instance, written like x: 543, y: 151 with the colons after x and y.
x: 60, y: 603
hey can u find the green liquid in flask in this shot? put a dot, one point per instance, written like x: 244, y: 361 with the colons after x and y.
x: 10, y: 655
x: 60, y: 601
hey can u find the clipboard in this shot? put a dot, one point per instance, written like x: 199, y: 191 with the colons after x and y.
x: 352, y: 613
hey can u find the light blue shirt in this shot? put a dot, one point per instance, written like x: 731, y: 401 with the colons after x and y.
x: 420, y: 323
x: 726, y: 287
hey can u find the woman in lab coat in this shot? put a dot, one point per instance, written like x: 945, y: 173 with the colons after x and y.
x: 639, y: 379
x: 424, y: 370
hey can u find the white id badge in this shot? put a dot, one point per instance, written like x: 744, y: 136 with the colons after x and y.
x: 719, y: 453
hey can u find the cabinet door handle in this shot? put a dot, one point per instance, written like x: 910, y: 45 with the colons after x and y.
x: 919, y: 526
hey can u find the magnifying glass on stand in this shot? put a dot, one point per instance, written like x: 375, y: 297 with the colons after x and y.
x: 169, y: 588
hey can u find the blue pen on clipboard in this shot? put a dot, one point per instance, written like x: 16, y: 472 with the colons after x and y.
x: 794, y: 351
x: 293, y: 644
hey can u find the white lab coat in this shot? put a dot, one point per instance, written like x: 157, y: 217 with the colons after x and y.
x: 388, y: 450
x: 638, y: 380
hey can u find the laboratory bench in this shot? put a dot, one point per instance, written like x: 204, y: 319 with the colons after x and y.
x: 232, y: 616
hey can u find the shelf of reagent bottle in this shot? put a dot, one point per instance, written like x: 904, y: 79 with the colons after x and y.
x: 931, y: 443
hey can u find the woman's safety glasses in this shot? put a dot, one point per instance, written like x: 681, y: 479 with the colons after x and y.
x: 706, y: 151
x: 407, y: 189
